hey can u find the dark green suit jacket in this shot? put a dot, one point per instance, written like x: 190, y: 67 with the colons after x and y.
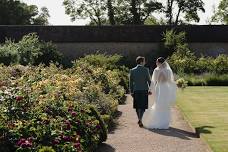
x: 139, y: 78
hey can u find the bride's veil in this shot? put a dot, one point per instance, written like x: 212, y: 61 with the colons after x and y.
x: 170, y: 75
x: 172, y: 83
x: 170, y: 79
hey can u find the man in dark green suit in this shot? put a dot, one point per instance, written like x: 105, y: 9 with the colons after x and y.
x: 139, y: 85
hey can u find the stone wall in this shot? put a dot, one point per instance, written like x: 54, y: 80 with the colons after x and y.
x: 130, y: 41
x: 73, y: 34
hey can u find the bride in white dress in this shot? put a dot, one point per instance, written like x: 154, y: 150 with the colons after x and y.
x: 163, y: 88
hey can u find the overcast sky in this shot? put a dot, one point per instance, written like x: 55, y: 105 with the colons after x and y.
x: 58, y: 16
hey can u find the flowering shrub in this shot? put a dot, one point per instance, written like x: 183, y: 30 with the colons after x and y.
x: 207, y: 79
x: 26, y: 125
x: 29, y: 50
x: 109, y: 70
x: 183, y: 60
x: 182, y: 83
x: 50, y: 108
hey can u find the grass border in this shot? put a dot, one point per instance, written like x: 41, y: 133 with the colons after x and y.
x: 193, y: 128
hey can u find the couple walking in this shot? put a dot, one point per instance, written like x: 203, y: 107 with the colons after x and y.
x: 162, y: 89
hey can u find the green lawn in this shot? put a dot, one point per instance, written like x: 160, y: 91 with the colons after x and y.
x: 207, y: 109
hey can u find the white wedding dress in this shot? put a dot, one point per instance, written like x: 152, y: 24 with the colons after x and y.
x: 163, y: 89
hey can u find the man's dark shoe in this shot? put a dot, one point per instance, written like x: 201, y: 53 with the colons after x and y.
x: 140, y: 124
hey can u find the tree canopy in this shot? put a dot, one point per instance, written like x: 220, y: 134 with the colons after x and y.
x: 114, y: 12
x: 221, y: 14
x: 188, y: 8
x: 137, y: 12
x: 14, y: 12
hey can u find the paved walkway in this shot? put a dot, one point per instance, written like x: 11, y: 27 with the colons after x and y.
x: 128, y: 137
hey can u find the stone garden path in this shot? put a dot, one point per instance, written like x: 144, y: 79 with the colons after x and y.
x: 128, y: 137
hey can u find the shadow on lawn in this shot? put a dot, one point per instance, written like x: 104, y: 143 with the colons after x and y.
x: 175, y: 132
x: 203, y: 130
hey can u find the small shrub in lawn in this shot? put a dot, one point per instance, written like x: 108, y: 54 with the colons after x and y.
x: 182, y: 83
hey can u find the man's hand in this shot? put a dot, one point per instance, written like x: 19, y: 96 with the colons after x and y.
x: 132, y: 94
x: 149, y: 93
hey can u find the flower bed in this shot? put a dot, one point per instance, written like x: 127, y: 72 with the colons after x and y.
x: 60, y: 109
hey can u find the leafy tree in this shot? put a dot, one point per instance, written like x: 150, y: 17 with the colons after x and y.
x: 189, y: 8
x: 142, y: 9
x: 93, y: 9
x: 121, y: 12
x: 137, y: 12
x: 154, y: 21
x: 221, y: 14
x: 14, y: 12
x: 42, y: 18
x: 182, y: 59
x: 112, y: 12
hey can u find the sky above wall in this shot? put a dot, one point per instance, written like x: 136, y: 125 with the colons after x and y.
x: 58, y: 16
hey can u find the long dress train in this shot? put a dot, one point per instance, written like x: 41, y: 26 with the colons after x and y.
x: 163, y: 88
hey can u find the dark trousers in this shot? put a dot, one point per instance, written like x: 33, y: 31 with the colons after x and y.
x: 140, y: 113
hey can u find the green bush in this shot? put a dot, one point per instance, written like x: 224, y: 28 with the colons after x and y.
x: 110, y: 62
x: 9, y: 53
x: 182, y: 83
x: 104, y: 132
x: 173, y: 39
x: 102, y: 60
x: 220, y: 64
x: 183, y: 60
x: 27, y: 124
x: 36, y: 104
x: 29, y: 50
x: 48, y: 53
x: 46, y: 149
x: 108, y: 70
x: 37, y: 100
x: 208, y: 79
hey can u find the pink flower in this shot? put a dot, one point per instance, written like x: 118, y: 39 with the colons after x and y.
x: 66, y: 138
x: 19, y: 98
x: 73, y: 113
x: 68, y: 127
x: 25, y: 143
x: 67, y: 122
x: 98, y: 127
x: 55, y: 142
x: 77, y: 145
x: 70, y: 109
x: 22, y: 140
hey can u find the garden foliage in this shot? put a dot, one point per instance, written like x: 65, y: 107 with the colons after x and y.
x: 29, y: 50
x: 196, y: 70
x: 54, y: 109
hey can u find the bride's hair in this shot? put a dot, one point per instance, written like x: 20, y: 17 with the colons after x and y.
x: 161, y: 60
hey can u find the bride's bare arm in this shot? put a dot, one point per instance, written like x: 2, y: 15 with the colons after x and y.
x: 154, y: 80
